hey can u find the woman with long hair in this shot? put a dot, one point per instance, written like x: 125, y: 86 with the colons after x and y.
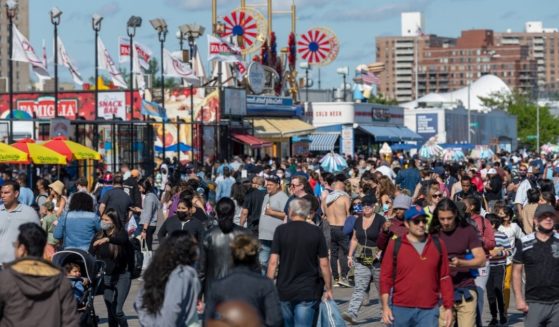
x: 168, y: 296
x: 57, y: 196
x: 111, y: 245
x: 78, y: 226
x: 150, y: 211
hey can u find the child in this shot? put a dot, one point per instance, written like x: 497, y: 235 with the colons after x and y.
x: 497, y: 263
x: 73, y: 273
x: 48, y: 222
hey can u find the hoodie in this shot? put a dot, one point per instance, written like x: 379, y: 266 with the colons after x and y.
x: 39, y: 295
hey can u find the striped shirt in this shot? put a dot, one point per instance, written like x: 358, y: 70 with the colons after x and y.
x: 501, y: 241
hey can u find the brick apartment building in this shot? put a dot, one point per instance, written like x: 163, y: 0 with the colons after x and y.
x: 526, y: 61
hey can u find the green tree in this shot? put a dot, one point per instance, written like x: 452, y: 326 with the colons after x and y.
x: 380, y: 99
x: 526, y: 111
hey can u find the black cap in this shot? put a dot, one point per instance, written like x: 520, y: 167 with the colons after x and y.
x: 544, y: 209
x: 369, y: 200
x: 274, y: 179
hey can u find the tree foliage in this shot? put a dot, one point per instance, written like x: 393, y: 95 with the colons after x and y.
x: 526, y: 111
x: 380, y: 99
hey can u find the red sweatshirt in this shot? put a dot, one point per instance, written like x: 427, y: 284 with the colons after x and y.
x: 420, y: 280
x: 486, y: 233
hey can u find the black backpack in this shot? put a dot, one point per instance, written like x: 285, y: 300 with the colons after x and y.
x: 398, y: 243
x: 138, y: 257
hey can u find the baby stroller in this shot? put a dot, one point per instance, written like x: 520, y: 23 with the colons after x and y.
x: 92, y: 269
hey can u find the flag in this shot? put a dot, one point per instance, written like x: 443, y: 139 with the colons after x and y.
x: 369, y: 78
x: 221, y: 50
x: 107, y: 63
x: 142, y: 52
x: 198, y: 66
x: 175, y: 68
x: 23, y: 51
x: 137, y: 70
x: 153, y: 109
x: 45, y: 54
x: 419, y: 31
x: 64, y: 59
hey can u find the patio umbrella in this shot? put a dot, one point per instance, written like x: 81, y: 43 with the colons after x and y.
x: 430, y: 150
x: 333, y: 162
x: 482, y: 152
x: 71, y: 150
x: 549, y: 148
x: 39, y: 154
x: 11, y: 155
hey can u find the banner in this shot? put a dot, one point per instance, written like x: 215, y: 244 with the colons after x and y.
x: 137, y: 70
x: 176, y: 68
x: 153, y: 109
x: 23, y: 51
x: 111, y: 103
x: 144, y: 53
x: 65, y: 60
x: 221, y: 50
x: 107, y: 63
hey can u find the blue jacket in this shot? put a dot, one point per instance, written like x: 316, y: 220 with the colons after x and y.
x: 408, y: 179
x: 77, y: 229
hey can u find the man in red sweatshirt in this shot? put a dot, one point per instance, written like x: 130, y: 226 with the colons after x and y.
x: 415, y: 300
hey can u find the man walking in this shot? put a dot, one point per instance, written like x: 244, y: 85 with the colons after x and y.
x: 538, y: 255
x: 12, y: 215
x: 117, y: 199
x: 271, y: 217
x: 416, y: 254
x: 252, y: 206
x: 299, y: 248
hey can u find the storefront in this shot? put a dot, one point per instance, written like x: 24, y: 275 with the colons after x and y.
x: 347, y: 127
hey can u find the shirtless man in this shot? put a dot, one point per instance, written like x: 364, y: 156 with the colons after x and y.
x: 336, y: 209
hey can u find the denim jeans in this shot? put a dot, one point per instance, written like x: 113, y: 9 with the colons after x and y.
x: 404, y: 317
x: 299, y: 313
x: 116, y: 288
x: 264, y: 255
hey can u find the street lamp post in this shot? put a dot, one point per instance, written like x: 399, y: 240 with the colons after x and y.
x: 306, y: 66
x: 469, y: 116
x: 133, y: 23
x: 160, y: 26
x: 55, y: 15
x: 11, y: 10
x: 344, y: 71
x: 192, y: 33
x: 96, y: 24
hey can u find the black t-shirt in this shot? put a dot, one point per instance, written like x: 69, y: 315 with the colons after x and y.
x: 541, y: 264
x: 117, y: 199
x: 253, y: 203
x: 368, y: 237
x: 299, y: 246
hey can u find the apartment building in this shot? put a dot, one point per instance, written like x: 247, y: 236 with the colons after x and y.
x: 22, y: 81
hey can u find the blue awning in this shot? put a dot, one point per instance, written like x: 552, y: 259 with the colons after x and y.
x: 323, y: 141
x: 330, y: 129
x: 381, y: 133
x: 409, y: 135
x: 403, y: 146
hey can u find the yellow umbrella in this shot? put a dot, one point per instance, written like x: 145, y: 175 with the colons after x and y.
x: 72, y: 150
x: 11, y: 155
x: 39, y: 154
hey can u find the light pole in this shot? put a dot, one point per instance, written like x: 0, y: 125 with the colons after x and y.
x: 96, y: 25
x: 306, y: 66
x: 344, y: 71
x: 133, y: 23
x: 192, y: 33
x: 55, y: 15
x: 469, y: 116
x: 160, y: 25
x: 11, y: 11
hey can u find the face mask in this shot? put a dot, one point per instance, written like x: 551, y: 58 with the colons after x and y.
x: 358, y: 208
x: 351, y: 173
x: 545, y: 230
x: 182, y: 215
x: 106, y: 226
x: 385, y: 207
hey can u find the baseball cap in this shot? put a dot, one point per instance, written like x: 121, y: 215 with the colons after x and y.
x: 274, y: 179
x: 402, y: 201
x: 545, y: 209
x: 369, y: 200
x: 414, y: 212
x: 492, y: 171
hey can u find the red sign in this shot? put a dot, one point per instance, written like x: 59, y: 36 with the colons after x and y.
x: 71, y: 105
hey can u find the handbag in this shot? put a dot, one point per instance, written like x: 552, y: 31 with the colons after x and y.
x: 147, y: 255
x: 329, y: 315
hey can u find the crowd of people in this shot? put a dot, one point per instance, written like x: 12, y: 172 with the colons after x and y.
x: 265, y: 242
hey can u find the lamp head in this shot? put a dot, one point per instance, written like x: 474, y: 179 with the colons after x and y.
x: 305, y: 65
x: 343, y: 70
x: 134, y: 21
x: 11, y: 8
x: 96, y: 22
x: 55, y: 15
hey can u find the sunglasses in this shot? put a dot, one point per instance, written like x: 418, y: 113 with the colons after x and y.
x: 437, y: 195
x: 419, y: 220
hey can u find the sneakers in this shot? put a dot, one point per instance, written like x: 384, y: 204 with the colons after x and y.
x: 503, y: 320
x: 344, y: 282
x: 336, y: 282
x: 493, y: 322
x: 349, y: 318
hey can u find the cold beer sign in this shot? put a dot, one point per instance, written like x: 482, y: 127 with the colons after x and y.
x: 113, y: 103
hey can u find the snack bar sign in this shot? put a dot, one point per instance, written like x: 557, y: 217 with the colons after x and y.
x: 43, y: 107
x: 112, y: 104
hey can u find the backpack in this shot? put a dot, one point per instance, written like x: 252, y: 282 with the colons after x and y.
x: 398, y: 244
x: 138, y: 257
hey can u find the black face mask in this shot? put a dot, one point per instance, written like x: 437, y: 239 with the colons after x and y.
x: 182, y: 215
x: 545, y: 230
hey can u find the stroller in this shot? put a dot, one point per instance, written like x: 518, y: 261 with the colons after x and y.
x: 92, y: 269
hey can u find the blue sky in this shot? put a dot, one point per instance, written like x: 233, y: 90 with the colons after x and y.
x: 356, y: 23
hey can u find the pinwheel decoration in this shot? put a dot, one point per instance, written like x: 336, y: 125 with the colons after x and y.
x: 319, y: 46
x: 430, y: 150
x: 333, y: 162
x: 249, y: 28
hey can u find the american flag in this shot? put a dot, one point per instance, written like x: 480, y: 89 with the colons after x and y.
x: 370, y: 78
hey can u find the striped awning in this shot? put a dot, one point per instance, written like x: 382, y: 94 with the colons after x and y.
x: 250, y: 140
x: 281, y: 128
x: 323, y: 141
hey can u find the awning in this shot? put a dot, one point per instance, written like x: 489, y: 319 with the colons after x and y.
x: 323, y: 141
x: 250, y: 140
x: 381, y: 133
x: 409, y: 135
x: 281, y: 128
